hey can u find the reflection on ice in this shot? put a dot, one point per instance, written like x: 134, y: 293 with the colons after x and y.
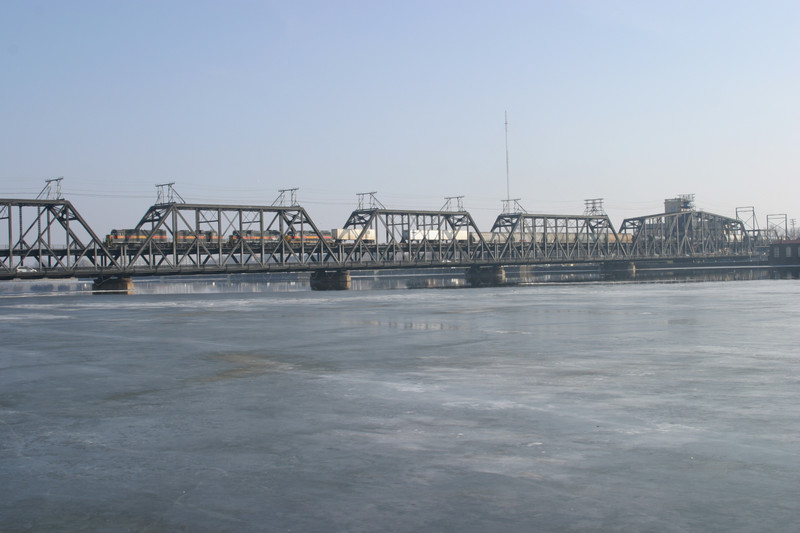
x: 547, y: 408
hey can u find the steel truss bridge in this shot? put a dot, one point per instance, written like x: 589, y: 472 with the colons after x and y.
x: 49, y: 239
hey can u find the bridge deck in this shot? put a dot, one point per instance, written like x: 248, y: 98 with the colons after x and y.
x: 49, y: 239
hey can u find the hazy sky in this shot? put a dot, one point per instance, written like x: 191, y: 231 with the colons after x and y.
x: 630, y: 101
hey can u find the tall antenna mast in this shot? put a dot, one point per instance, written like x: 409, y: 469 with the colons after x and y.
x: 510, y: 205
x: 508, y: 182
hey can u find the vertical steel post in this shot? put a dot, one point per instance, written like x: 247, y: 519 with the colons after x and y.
x: 219, y: 232
x: 10, y: 238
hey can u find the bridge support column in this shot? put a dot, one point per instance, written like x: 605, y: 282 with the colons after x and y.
x: 112, y: 285
x: 485, y: 276
x: 330, y: 280
x: 618, y: 271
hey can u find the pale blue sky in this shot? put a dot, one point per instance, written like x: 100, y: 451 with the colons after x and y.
x: 630, y: 101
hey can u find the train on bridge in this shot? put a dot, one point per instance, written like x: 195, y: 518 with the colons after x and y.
x: 131, y: 238
x: 118, y: 238
x: 138, y: 237
x: 49, y: 239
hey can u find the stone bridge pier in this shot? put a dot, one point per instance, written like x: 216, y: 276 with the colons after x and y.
x: 485, y: 276
x: 619, y: 271
x: 330, y: 280
x: 115, y: 285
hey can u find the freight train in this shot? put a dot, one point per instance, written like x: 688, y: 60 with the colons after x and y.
x: 119, y: 237
x: 136, y: 237
x: 133, y: 237
x: 434, y: 235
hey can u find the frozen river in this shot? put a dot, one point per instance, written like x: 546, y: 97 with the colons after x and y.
x: 597, y: 407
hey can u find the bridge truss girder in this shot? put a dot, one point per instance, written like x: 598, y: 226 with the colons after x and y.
x: 686, y: 234
x: 48, y: 238
x: 211, y: 237
x: 415, y: 237
x: 540, y: 237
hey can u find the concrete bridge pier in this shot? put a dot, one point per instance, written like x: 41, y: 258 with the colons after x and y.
x: 485, y: 276
x: 618, y: 271
x: 112, y: 285
x: 330, y: 280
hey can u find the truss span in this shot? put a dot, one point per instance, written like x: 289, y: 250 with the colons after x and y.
x: 48, y: 239
x: 686, y: 233
x: 528, y: 237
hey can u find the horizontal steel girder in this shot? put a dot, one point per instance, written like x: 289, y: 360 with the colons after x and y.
x: 44, y: 238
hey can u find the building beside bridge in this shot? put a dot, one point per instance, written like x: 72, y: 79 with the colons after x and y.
x: 784, y: 256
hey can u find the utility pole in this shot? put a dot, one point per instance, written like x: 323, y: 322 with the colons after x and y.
x: 52, y: 189
x: 281, y: 199
x: 167, y: 193
x: 449, y: 199
x: 373, y: 201
x: 593, y: 206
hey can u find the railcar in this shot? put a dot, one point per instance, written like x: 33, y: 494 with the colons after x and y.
x: 272, y: 236
x: 254, y: 236
x: 439, y: 235
x: 309, y: 237
x: 185, y: 236
x: 351, y: 234
x: 119, y: 237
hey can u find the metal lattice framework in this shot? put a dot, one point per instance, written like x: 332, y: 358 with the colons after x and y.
x: 537, y: 237
x: 777, y: 226
x: 48, y: 235
x: 748, y: 217
x: 685, y: 234
x: 178, y: 237
x: 395, y: 237
x: 47, y: 238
